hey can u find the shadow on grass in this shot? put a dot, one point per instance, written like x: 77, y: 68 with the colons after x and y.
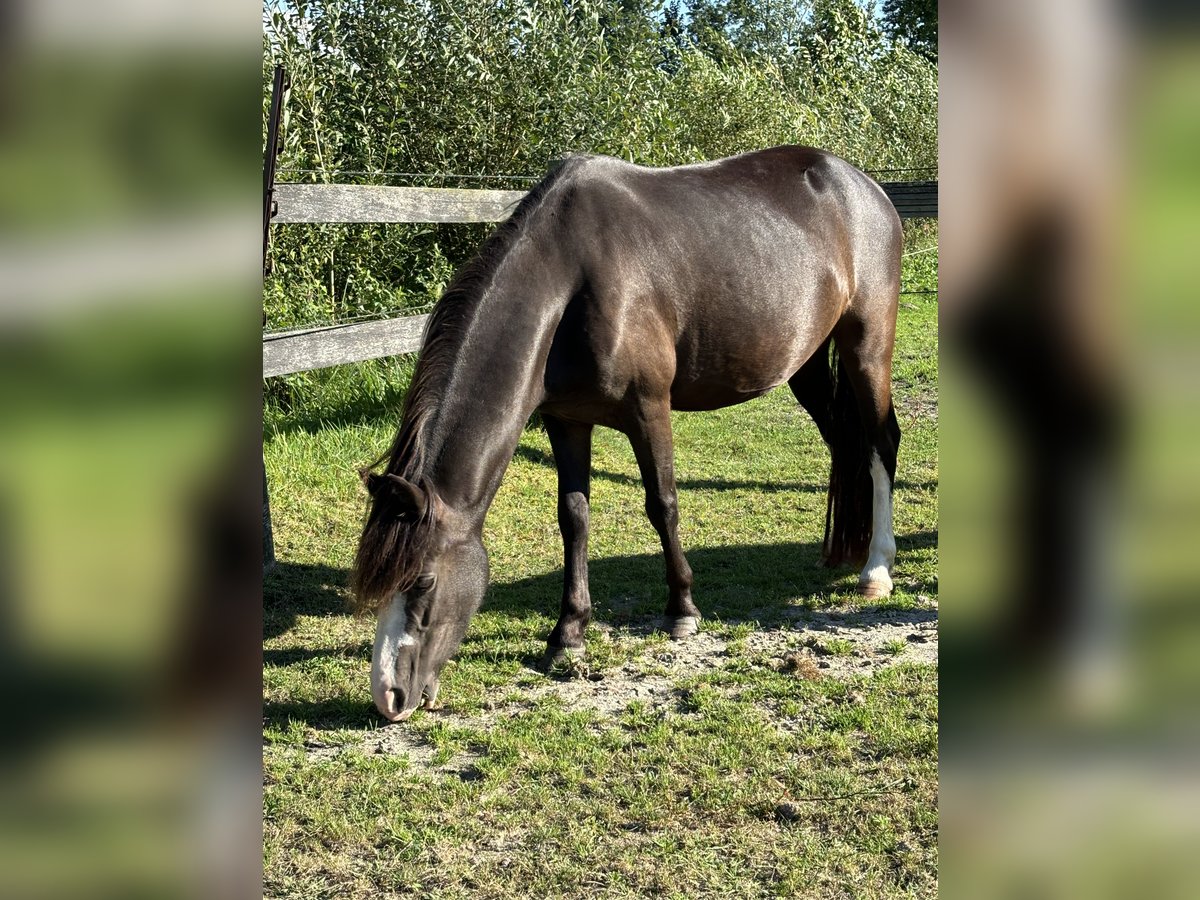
x: 327, y: 715
x: 735, y: 584
x: 732, y: 583
x: 291, y: 590
x: 540, y: 457
x: 291, y: 655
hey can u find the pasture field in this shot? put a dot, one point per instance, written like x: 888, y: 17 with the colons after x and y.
x: 789, y: 749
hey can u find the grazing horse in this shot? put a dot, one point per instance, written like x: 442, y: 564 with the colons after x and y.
x: 612, y: 295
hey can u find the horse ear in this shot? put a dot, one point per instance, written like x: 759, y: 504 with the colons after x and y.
x: 372, y: 481
x: 412, y: 500
x: 410, y: 496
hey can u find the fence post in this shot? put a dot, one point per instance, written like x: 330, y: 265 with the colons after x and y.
x: 267, y: 534
x: 278, y: 86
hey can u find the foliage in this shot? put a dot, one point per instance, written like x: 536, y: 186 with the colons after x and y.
x: 497, y: 89
x: 915, y: 21
x: 764, y: 28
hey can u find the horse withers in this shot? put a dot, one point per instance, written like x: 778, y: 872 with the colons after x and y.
x: 612, y: 295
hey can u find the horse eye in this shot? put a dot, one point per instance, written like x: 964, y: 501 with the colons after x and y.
x: 425, y: 582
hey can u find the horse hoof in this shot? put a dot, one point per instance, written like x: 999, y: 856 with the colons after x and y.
x: 873, y: 590
x: 562, y: 656
x: 680, y: 627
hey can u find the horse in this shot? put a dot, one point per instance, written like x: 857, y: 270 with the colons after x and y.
x: 613, y: 294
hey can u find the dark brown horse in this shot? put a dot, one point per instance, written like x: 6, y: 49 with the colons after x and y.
x: 614, y: 294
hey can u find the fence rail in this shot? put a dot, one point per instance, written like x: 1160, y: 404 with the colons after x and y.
x: 305, y: 349
x: 361, y: 203
x: 913, y: 199
x: 367, y: 204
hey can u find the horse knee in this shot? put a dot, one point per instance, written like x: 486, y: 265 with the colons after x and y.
x: 573, y: 513
x: 662, y: 511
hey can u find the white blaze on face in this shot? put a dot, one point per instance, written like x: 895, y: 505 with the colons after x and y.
x: 883, y: 541
x: 390, y: 635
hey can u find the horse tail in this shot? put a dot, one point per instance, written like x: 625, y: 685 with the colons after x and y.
x: 848, y: 503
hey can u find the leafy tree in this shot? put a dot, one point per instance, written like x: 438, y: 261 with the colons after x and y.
x: 763, y: 28
x: 914, y: 21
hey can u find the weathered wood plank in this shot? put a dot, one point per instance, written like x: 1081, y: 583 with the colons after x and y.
x: 913, y: 199
x: 318, y: 348
x: 355, y: 203
x: 315, y: 203
x: 268, y: 535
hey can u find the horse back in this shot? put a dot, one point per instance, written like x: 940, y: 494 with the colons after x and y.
x: 719, y: 280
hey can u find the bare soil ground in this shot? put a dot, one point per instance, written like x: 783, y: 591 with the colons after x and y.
x: 810, y: 644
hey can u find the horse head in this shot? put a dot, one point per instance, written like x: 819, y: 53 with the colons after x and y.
x: 425, y: 575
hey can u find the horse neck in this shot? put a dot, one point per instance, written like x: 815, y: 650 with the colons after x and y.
x: 495, y: 380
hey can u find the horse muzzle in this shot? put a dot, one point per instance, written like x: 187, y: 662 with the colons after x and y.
x: 391, y: 701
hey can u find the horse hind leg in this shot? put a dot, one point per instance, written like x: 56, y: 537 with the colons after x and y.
x: 813, y: 388
x: 875, y: 580
x: 865, y: 363
x: 865, y: 366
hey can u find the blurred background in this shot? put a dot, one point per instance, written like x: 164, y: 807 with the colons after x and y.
x: 131, y: 140
x: 130, y: 400
x: 1070, y: 390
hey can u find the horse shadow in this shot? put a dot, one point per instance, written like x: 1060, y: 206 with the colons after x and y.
x: 540, y: 457
x: 291, y: 590
x: 734, y: 584
x: 764, y: 584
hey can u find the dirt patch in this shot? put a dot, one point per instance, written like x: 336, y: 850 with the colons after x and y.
x: 826, y: 644
x: 397, y: 741
x: 831, y: 644
x: 917, y: 399
x: 650, y: 678
x: 852, y: 644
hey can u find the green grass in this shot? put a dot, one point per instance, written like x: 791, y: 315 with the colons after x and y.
x: 511, y: 793
x: 837, y: 647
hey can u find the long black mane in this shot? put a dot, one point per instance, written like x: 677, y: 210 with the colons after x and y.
x: 394, y: 545
x: 444, y: 332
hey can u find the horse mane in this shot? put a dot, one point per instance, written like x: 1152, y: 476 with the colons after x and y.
x: 394, y: 544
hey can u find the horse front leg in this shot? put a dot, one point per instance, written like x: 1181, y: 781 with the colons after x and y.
x: 572, y: 445
x: 650, y: 434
